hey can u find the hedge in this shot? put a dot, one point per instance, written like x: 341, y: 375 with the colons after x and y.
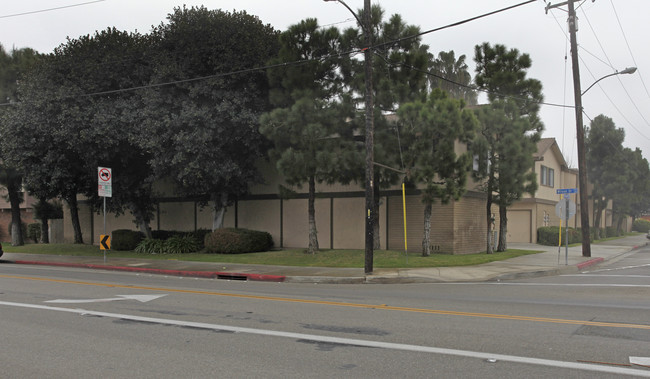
x: 641, y: 225
x: 124, y: 239
x: 177, y: 244
x: 34, y: 231
x: 237, y: 241
x: 548, y: 235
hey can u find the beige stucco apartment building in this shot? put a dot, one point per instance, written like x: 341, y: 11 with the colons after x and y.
x: 457, y: 228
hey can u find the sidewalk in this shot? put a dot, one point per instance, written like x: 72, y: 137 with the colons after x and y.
x: 549, y: 262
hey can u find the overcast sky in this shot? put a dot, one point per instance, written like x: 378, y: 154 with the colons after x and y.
x: 613, y: 35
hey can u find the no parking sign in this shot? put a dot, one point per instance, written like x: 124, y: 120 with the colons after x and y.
x: 104, y: 179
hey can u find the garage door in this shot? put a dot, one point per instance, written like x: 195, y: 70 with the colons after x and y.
x: 519, y: 226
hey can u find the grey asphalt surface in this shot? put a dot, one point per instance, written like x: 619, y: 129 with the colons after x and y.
x: 551, y: 261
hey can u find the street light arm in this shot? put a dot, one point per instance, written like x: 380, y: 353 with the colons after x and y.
x: 629, y: 70
x: 351, y: 11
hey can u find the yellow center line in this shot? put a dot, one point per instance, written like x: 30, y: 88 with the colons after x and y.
x: 343, y: 304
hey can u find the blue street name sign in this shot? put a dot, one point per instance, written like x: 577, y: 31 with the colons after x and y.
x: 566, y: 190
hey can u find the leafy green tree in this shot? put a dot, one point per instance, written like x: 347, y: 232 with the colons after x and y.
x: 12, y: 66
x: 45, y: 211
x: 606, y: 164
x: 434, y: 127
x: 74, y: 116
x: 203, y: 131
x: 312, y: 143
x: 639, y: 201
x: 452, y: 75
x: 510, y: 131
x: 631, y: 198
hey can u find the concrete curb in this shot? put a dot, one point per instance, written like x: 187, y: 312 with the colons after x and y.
x: 183, y: 273
x: 589, y: 263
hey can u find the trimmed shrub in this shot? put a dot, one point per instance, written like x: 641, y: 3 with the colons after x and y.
x: 237, y: 241
x: 164, y: 234
x: 641, y: 225
x: 611, y: 231
x: 150, y: 246
x: 167, y: 234
x: 124, y: 239
x: 181, y: 244
x: 177, y: 244
x: 548, y: 235
x: 34, y: 231
x: 199, y: 235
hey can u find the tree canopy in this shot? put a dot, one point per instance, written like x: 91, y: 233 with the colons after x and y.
x: 14, y: 65
x: 510, y: 129
x: 311, y: 140
x: 432, y: 129
x: 207, y: 137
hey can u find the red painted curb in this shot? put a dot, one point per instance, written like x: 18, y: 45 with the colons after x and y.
x: 589, y: 263
x: 194, y: 274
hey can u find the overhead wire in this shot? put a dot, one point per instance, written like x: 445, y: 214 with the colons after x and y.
x: 608, y: 63
x: 627, y: 43
x: 50, y: 9
x: 354, y: 51
x: 612, y: 102
x: 619, y: 80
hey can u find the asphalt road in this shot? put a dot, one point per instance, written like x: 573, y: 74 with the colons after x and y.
x: 62, y: 323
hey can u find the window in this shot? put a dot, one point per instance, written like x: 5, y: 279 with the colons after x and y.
x: 547, y: 177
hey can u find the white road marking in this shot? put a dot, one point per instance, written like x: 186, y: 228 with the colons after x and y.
x: 140, y: 298
x: 350, y: 341
x: 619, y: 268
x: 551, y: 284
x: 643, y: 361
x: 609, y: 276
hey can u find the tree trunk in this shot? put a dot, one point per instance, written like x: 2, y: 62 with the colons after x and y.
x: 45, y: 232
x: 503, y: 228
x: 142, y: 224
x: 619, y: 225
x: 598, y: 208
x: 375, y: 213
x: 313, y: 234
x: 219, y: 204
x: 13, y: 189
x: 489, y: 221
x: 426, y: 242
x: 74, y: 217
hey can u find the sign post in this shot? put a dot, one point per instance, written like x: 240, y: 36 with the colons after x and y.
x: 105, y: 189
x: 565, y: 209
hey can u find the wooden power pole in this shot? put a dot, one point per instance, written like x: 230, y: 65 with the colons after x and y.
x: 580, y: 131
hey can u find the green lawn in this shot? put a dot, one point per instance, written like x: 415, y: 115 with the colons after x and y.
x: 291, y: 257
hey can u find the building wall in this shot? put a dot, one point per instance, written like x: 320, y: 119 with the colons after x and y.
x: 295, y: 223
x: 26, y: 216
x: 349, y: 223
x: 260, y: 215
x: 442, y: 239
x: 459, y: 227
x: 470, y: 226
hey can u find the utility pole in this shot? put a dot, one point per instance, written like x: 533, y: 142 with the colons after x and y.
x: 580, y: 130
x: 366, y: 26
x: 370, y: 191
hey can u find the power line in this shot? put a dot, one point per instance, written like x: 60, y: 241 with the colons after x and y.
x: 474, y: 88
x: 614, y: 104
x: 458, y: 23
x: 304, y: 61
x: 629, y: 49
x: 51, y: 9
x: 619, y: 79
